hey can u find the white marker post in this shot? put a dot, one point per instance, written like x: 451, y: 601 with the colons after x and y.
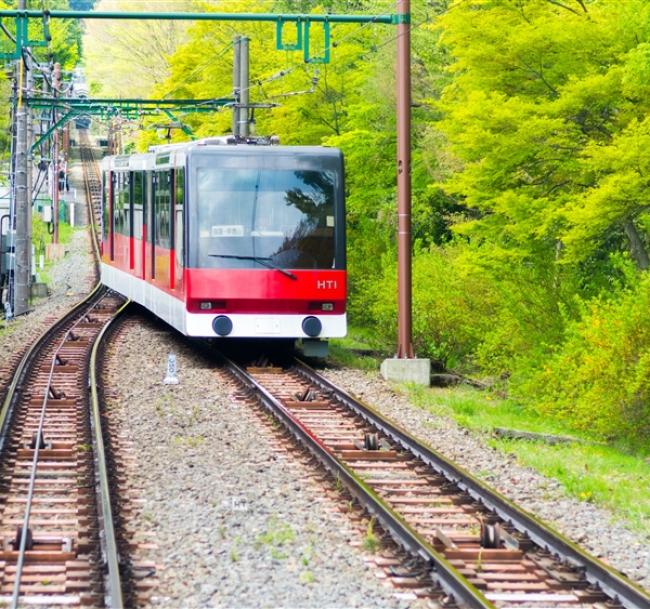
x: 171, y: 378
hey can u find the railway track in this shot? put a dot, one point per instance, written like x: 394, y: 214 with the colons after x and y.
x: 51, y: 522
x: 93, y: 187
x: 57, y: 543
x: 482, y: 550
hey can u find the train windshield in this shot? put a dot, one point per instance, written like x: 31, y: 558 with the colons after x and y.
x: 261, y: 218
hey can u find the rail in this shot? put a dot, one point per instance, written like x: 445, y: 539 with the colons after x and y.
x: 94, y: 299
x: 326, y: 420
x: 110, y: 550
x: 612, y: 582
x: 19, y: 383
x: 441, y: 570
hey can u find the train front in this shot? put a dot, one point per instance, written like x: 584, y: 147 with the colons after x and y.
x: 266, y: 242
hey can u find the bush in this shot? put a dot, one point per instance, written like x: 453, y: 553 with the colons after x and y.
x: 598, y: 379
x: 452, y: 305
x: 467, y: 314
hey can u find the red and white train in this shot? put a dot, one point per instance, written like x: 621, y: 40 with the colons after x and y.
x: 225, y: 238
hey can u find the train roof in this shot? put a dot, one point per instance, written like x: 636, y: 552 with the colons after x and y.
x: 174, y: 155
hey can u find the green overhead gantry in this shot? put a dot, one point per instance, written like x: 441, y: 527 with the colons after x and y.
x: 301, y: 40
x: 302, y: 23
x: 134, y: 108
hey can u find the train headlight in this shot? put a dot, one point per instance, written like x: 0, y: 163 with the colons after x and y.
x: 205, y: 305
x: 222, y: 325
x: 312, y: 326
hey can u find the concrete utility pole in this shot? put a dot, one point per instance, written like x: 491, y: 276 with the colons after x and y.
x: 56, y: 83
x: 23, y: 245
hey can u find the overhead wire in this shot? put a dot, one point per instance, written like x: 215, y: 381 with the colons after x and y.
x: 199, y: 69
x: 334, y: 43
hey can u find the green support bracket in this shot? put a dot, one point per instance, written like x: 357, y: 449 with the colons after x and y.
x: 22, y: 36
x: 292, y: 46
x: 398, y: 19
x: 186, y: 130
x: 325, y: 57
x: 46, y: 34
x: 62, y: 121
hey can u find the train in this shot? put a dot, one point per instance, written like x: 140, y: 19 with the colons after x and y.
x: 80, y: 90
x: 230, y: 238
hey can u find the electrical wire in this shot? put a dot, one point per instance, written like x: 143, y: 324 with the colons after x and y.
x: 199, y: 69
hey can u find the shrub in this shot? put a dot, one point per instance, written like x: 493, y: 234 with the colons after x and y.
x: 598, y: 379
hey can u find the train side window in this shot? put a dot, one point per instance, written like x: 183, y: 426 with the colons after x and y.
x: 178, y: 223
x: 122, y: 204
x: 162, y: 206
x: 119, y: 203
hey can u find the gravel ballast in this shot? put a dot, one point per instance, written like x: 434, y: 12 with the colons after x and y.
x: 595, y: 529
x: 237, y: 521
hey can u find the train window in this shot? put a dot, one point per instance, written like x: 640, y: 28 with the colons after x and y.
x: 162, y: 205
x: 283, y: 216
x: 122, y: 204
x: 117, y: 185
x: 178, y: 224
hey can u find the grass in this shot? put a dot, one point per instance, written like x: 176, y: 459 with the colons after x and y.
x: 617, y: 477
x: 277, y: 537
x: 307, y: 577
x: 370, y: 539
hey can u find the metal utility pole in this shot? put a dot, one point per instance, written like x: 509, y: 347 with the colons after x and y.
x: 244, y: 86
x: 23, y: 246
x: 56, y: 83
x: 405, y: 323
x: 236, y: 84
x: 240, y: 86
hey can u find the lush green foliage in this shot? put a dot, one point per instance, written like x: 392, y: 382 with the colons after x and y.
x: 530, y: 179
x: 129, y: 58
x: 600, y: 376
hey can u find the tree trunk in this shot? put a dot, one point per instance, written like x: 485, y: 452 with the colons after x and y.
x: 637, y: 247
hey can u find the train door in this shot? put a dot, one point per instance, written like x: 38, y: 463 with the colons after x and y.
x: 152, y: 225
x: 111, y: 215
x: 130, y: 213
x: 179, y: 228
x: 162, y: 204
x: 139, y: 224
x: 106, y: 215
x: 148, y: 245
x: 172, y: 223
